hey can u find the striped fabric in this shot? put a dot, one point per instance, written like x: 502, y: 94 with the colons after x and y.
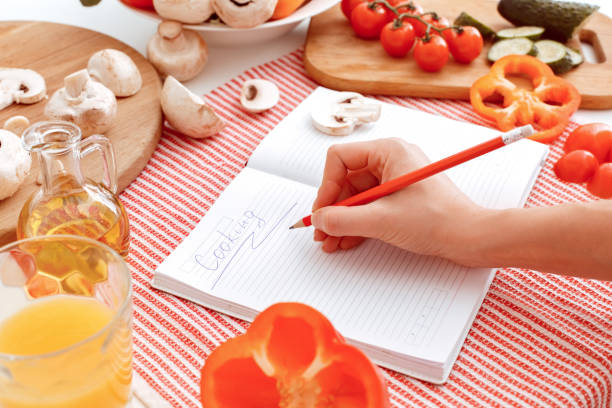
x: 539, y: 340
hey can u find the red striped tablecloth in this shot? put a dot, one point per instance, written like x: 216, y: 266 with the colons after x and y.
x: 538, y: 340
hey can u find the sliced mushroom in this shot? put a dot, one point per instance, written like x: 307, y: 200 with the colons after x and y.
x: 187, y: 112
x: 17, y: 124
x: 88, y: 104
x: 177, y: 52
x: 185, y: 11
x: 20, y: 86
x: 15, y: 163
x: 244, y: 13
x: 116, y: 71
x: 258, y: 95
x: 343, y: 113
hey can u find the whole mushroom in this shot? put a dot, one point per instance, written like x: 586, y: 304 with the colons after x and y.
x: 244, y: 13
x: 177, y: 52
x: 116, y: 71
x: 185, y: 11
x: 187, y: 112
x: 88, y: 104
x: 21, y: 86
x: 15, y: 163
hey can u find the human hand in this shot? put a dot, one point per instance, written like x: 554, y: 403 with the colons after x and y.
x: 426, y: 217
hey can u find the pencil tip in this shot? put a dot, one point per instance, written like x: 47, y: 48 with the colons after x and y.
x: 291, y: 227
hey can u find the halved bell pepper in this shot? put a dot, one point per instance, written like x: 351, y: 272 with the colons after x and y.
x: 291, y: 356
x: 548, y: 107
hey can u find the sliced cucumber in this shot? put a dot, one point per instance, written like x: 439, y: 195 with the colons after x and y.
x: 464, y: 19
x: 576, y: 57
x: 531, y: 32
x: 555, y: 55
x: 520, y: 46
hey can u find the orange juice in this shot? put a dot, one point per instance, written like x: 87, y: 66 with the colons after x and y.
x: 95, y: 371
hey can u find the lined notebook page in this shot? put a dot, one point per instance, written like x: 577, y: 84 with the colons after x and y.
x: 500, y: 179
x: 242, y: 258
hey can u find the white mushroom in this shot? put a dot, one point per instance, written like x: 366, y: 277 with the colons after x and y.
x: 20, y: 86
x: 345, y: 111
x: 185, y: 11
x: 258, y: 95
x: 16, y: 124
x: 88, y: 104
x: 187, y: 112
x: 15, y: 163
x: 244, y: 13
x: 116, y: 71
x: 177, y: 52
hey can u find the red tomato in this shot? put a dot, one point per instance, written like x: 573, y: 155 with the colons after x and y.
x: 368, y: 22
x: 433, y: 19
x: 431, y: 55
x: 577, y: 166
x: 594, y: 137
x: 291, y: 356
x: 145, y: 4
x: 464, y: 44
x: 347, y: 7
x: 601, y: 183
x: 397, y: 41
x: 409, y: 7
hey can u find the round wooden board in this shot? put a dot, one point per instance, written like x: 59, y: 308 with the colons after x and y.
x: 54, y: 51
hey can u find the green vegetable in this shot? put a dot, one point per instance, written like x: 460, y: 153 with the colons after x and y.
x: 561, y: 19
x: 555, y: 55
x: 520, y: 46
x: 464, y: 19
x: 89, y: 3
x: 576, y: 57
x: 531, y: 32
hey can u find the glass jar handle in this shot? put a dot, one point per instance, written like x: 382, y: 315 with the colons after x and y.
x: 103, y: 145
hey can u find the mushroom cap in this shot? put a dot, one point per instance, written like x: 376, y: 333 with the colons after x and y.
x: 177, y: 52
x: 244, y: 13
x: 93, y: 109
x: 19, y: 85
x: 15, y: 163
x: 258, y: 95
x: 185, y: 11
x: 343, y: 112
x: 187, y: 112
x: 115, y: 70
x: 17, y: 124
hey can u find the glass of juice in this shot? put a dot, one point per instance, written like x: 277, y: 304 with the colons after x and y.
x: 65, y: 324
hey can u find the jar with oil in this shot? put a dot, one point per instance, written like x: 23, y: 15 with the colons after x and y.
x: 67, y: 202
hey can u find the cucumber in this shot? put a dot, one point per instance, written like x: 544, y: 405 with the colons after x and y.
x: 521, y: 46
x: 576, y: 57
x: 555, y: 55
x: 561, y: 19
x: 464, y: 19
x: 531, y: 32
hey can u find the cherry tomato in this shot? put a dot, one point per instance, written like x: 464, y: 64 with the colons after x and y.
x: 368, y: 22
x: 465, y: 44
x: 433, y: 19
x: 601, y: 183
x: 577, y: 166
x: 431, y: 55
x: 409, y: 7
x: 347, y: 7
x: 397, y: 41
x: 145, y: 4
x: 594, y: 137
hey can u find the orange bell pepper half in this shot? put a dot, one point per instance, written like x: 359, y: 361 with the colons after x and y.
x: 291, y: 356
x: 548, y: 107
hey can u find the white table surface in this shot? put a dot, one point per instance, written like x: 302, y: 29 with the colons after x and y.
x: 113, y: 19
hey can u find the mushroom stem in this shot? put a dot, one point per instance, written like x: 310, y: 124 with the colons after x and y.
x: 172, y: 32
x: 75, y: 83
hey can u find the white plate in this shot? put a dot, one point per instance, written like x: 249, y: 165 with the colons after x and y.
x: 220, y: 35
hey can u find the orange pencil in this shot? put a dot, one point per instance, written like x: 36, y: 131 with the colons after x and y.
x: 400, y: 182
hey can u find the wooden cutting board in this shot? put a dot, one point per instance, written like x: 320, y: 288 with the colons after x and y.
x: 334, y: 57
x: 54, y: 51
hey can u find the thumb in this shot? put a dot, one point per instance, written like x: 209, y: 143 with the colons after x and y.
x: 346, y: 221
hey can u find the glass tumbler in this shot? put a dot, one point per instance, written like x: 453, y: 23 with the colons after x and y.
x: 65, y: 324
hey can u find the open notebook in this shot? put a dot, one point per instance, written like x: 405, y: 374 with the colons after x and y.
x: 407, y: 312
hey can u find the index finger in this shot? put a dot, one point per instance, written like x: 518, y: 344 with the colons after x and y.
x: 343, y: 158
